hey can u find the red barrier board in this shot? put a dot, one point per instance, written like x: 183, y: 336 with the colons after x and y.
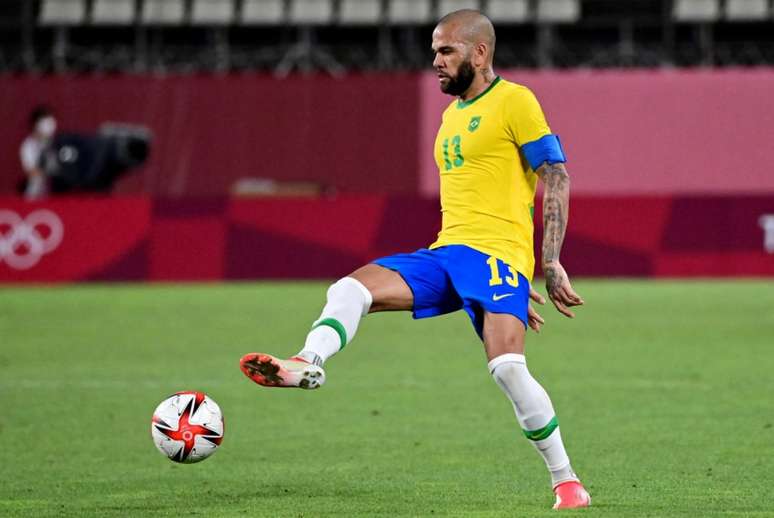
x: 118, y: 239
x: 74, y: 239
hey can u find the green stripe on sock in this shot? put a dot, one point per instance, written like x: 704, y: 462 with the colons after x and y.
x: 336, y: 325
x: 543, y: 433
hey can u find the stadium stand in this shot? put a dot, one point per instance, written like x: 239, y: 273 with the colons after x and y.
x: 360, y: 12
x: 310, y: 12
x: 307, y: 54
x: 212, y: 12
x: 747, y: 10
x: 163, y: 12
x: 508, y: 11
x: 696, y: 10
x: 558, y: 11
x: 409, y: 12
x: 262, y: 12
x: 331, y: 35
x: 113, y: 12
x: 447, y: 6
x: 63, y: 12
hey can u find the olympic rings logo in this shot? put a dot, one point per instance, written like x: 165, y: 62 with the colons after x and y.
x: 24, y: 241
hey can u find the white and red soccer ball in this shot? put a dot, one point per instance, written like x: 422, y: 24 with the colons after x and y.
x: 187, y: 427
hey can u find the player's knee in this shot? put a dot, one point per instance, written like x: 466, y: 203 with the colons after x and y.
x: 347, y: 290
x: 507, y: 373
x: 344, y: 287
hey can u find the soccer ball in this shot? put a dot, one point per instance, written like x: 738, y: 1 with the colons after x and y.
x: 187, y: 427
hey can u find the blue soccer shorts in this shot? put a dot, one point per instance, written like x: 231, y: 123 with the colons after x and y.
x: 455, y: 277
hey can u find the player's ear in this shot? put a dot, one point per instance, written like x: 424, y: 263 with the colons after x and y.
x: 480, y: 52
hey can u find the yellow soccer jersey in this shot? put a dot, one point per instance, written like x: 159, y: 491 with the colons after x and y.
x: 487, y: 185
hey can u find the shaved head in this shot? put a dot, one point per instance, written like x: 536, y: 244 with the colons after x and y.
x: 471, y: 27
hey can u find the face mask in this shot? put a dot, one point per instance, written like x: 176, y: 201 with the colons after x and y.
x: 46, y: 126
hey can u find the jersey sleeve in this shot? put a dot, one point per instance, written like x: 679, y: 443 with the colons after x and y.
x: 530, y: 131
x: 525, y: 118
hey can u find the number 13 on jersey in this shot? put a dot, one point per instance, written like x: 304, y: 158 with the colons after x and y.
x: 458, y: 159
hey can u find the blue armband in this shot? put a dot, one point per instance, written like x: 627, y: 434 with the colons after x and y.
x: 545, y: 149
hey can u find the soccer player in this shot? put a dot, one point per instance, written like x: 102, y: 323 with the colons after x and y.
x: 492, y: 146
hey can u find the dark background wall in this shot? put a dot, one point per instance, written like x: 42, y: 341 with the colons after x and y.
x: 357, y: 134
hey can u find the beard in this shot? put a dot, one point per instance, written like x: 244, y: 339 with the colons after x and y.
x: 460, y: 83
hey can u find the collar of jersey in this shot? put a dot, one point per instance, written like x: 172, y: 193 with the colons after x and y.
x: 463, y: 104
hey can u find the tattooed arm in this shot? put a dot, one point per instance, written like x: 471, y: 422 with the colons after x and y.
x: 556, y: 205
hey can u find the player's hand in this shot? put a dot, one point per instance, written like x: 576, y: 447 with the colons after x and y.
x: 533, y: 318
x: 559, y: 289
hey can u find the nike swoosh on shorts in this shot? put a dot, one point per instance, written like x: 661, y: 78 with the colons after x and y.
x: 497, y: 297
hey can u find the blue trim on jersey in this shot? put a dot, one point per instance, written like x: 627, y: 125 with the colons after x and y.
x: 545, y: 149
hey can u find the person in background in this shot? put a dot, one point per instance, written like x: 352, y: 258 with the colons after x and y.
x: 34, y: 150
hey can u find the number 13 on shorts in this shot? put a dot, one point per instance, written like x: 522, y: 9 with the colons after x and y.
x: 511, y: 277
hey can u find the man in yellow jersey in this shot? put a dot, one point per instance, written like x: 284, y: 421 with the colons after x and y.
x: 492, y: 146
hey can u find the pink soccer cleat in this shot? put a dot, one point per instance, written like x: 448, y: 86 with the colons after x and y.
x: 269, y: 371
x: 571, y: 495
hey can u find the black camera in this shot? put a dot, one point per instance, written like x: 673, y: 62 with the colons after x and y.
x: 92, y: 163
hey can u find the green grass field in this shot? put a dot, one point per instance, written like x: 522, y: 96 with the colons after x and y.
x: 664, y: 390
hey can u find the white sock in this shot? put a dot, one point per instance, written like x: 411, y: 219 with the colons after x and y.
x: 534, y: 412
x: 348, y: 302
